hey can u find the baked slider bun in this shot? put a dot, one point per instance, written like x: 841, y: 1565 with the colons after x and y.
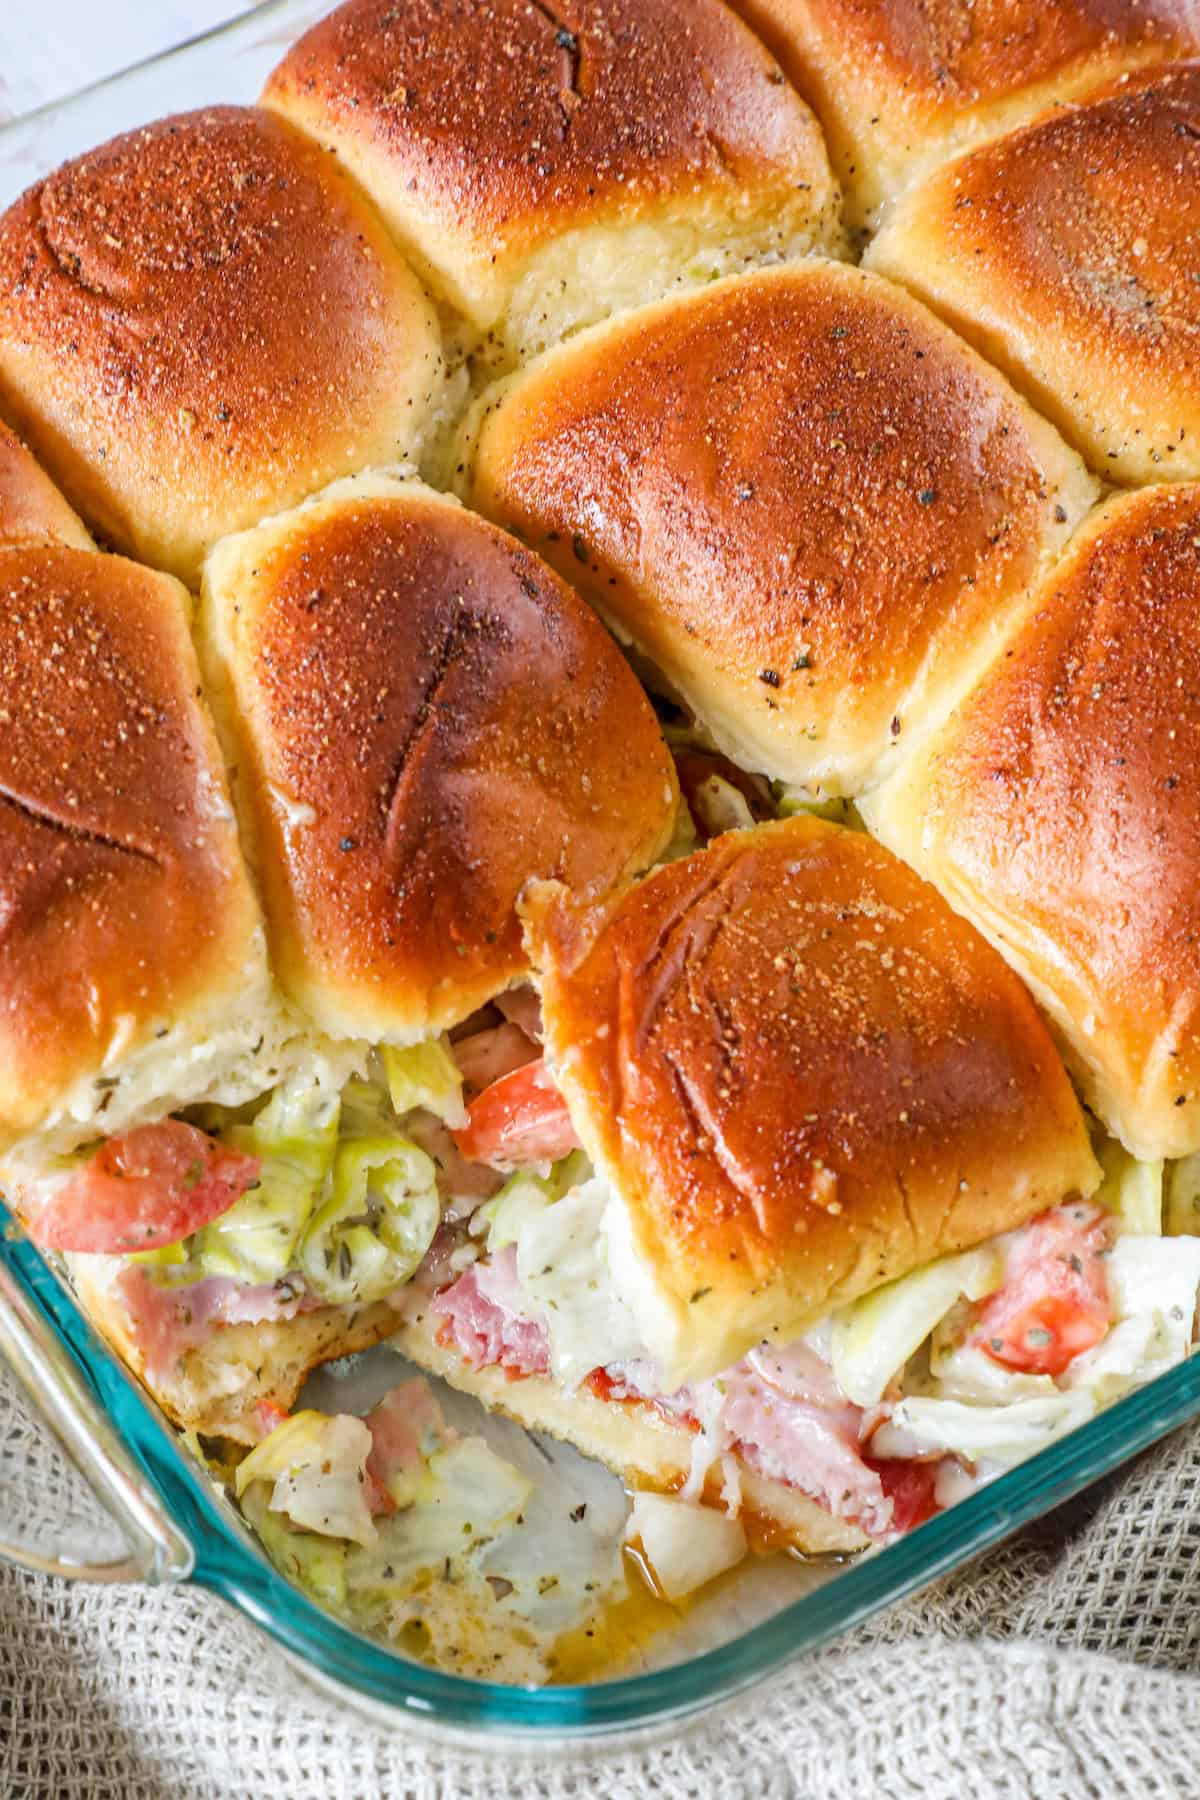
x: 543, y: 172
x: 133, y: 972
x: 808, y: 505
x: 422, y: 718
x: 900, y: 86
x: 32, y: 511
x: 1058, y: 810
x: 796, y: 1076
x: 202, y: 321
x: 1068, y: 253
x: 802, y: 1076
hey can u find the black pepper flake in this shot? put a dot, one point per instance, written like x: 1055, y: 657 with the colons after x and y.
x: 769, y: 676
x: 839, y: 332
x: 580, y: 548
x: 699, y: 1294
x: 348, y: 843
x: 927, y: 496
x: 803, y: 661
x: 1060, y: 514
x: 579, y: 1513
x: 895, y: 726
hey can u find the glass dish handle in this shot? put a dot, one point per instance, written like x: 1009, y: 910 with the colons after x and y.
x: 157, y: 1550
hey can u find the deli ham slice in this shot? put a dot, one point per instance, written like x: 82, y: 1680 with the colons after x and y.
x: 169, y: 1321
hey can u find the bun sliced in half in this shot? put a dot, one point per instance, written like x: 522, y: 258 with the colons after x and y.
x: 543, y: 171
x: 899, y: 86
x: 801, y: 1076
x: 1068, y: 253
x: 423, y: 717
x: 32, y: 511
x: 202, y: 321
x: 1059, y: 811
x: 639, y: 1443
x: 133, y: 973
x: 807, y: 503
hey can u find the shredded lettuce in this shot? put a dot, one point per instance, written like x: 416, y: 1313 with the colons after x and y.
x: 426, y: 1075
x: 874, y: 1337
x: 372, y: 1232
x: 1005, y: 1433
x: 1132, y: 1190
x: 563, y: 1265
x: 1182, y: 1197
x: 318, y: 1463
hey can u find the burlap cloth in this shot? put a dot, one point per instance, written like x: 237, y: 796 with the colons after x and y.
x: 1067, y: 1663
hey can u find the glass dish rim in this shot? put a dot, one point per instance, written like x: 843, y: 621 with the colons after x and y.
x: 243, y: 1578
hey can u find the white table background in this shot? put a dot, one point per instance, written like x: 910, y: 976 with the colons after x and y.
x: 49, y: 48
x: 1064, y: 1666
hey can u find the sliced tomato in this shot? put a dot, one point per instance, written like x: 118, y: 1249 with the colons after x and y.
x: 910, y: 1486
x: 153, y: 1186
x: 1054, y: 1303
x: 520, y: 1119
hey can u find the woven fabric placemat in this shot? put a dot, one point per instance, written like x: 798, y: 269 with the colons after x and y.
x: 1062, y: 1664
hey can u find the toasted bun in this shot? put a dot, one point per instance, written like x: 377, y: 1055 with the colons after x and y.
x: 1091, y: 302
x: 1060, y: 811
x: 900, y: 85
x: 802, y: 1076
x: 542, y: 173
x: 217, y: 1387
x: 423, y: 716
x: 636, y: 1442
x: 32, y: 511
x: 132, y: 962
x: 808, y: 504
x: 204, y: 320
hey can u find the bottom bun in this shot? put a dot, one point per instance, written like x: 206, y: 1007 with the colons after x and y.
x: 217, y: 1387
x: 637, y: 1443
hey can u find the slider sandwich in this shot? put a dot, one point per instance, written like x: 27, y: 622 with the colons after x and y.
x: 229, y: 962
x: 834, y: 1243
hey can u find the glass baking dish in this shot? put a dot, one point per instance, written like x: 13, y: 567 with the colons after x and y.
x: 178, y: 1525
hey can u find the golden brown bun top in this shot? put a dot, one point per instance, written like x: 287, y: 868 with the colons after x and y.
x: 451, y: 720
x: 498, y: 121
x: 803, y: 1074
x: 1069, y: 252
x: 197, y: 320
x: 122, y: 892
x: 1062, y: 807
x: 898, y: 83
x: 804, y: 499
x: 32, y: 511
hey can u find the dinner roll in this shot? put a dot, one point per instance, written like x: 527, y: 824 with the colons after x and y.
x: 422, y: 716
x: 1069, y: 253
x: 1060, y: 811
x: 801, y: 1075
x: 202, y: 321
x: 901, y: 84
x: 806, y: 503
x: 543, y: 170
x: 32, y: 511
x: 133, y: 974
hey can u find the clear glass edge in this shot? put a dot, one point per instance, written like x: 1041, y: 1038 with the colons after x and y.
x: 250, y: 1584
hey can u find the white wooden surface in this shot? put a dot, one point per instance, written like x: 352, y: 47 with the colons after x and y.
x: 50, y: 48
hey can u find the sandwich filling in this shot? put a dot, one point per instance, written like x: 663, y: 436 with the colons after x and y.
x: 447, y: 1180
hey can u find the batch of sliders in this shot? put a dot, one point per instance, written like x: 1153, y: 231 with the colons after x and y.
x: 599, y: 726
